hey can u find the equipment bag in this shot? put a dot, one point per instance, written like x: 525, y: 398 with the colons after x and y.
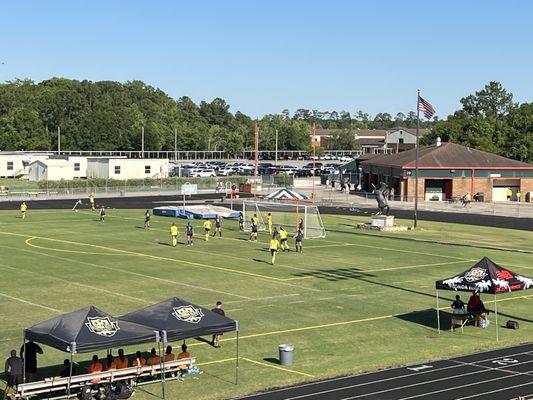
x: 511, y: 324
x: 86, y: 392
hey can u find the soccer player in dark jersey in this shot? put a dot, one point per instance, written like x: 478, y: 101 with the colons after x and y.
x: 190, y: 233
x: 255, y: 223
x: 301, y: 225
x: 102, y: 214
x: 241, y: 222
x: 218, y: 226
x: 147, y: 219
x: 298, y: 239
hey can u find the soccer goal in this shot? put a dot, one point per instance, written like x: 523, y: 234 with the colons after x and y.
x: 286, y: 214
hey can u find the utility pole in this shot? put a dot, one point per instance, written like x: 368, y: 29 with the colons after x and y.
x: 313, y: 144
x: 175, y: 144
x: 256, y: 156
x: 142, y: 142
x: 415, y: 223
x: 276, y: 147
x: 58, y: 140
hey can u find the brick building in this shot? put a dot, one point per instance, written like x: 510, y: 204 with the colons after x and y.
x: 449, y: 170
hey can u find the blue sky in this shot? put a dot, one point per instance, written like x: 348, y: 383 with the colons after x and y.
x: 265, y: 56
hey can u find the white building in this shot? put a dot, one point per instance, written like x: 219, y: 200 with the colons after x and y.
x: 50, y: 170
x: 15, y: 164
x: 127, y: 168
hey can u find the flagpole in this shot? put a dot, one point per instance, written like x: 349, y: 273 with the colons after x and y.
x: 416, y: 156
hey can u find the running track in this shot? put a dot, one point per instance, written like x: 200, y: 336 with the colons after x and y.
x: 499, y: 374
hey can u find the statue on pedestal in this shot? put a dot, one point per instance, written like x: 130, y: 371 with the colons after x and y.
x: 381, y: 197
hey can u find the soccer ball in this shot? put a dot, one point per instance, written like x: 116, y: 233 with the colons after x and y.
x: 75, y: 210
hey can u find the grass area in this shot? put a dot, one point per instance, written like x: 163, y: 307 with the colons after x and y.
x: 14, y: 184
x: 349, y: 303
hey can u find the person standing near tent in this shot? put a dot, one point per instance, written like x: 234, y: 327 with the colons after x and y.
x: 254, y: 222
x: 102, y: 214
x: 283, y: 239
x: 215, y: 341
x: 189, y: 231
x: 174, y: 233
x: 207, y: 229
x: 28, y: 353
x: 218, y: 226
x: 147, y: 219
x: 241, y: 222
x: 273, y: 247
x: 91, y: 202
x: 269, y: 222
x: 23, y: 209
x: 13, y: 372
x: 298, y: 238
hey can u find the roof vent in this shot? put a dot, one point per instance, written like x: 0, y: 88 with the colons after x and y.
x: 438, y: 141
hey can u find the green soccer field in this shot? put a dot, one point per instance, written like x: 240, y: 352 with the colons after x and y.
x: 349, y: 303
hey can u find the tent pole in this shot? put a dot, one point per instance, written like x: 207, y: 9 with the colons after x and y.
x: 161, y: 363
x: 237, y: 359
x: 24, y: 358
x: 70, y: 370
x: 496, y: 317
x: 438, y: 312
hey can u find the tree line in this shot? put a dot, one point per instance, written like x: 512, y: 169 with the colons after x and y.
x: 109, y: 115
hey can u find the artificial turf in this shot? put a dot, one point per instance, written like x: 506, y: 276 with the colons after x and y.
x: 349, y: 303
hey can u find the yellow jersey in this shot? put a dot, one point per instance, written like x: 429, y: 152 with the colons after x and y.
x: 91, y: 199
x: 174, y: 230
x: 207, y: 224
x: 23, y: 207
x: 255, y: 220
x: 269, y: 219
x: 274, y: 244
x: 282, y: 234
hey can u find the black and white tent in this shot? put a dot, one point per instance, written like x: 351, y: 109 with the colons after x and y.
x: 285, y: 194
x: 177, y: 319
x: 88, y: 329
x: 484, y: 277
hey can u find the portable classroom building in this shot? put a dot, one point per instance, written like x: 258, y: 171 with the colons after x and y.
x: 127, y: 168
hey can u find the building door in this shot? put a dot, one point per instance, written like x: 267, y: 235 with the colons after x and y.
x: 434, y: 189
x: 500, y: 188
x: 448, y: 189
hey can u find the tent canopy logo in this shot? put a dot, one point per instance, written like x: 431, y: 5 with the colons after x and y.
x: 188, y: 314
x: 102, y: 326
x: 475, y: 274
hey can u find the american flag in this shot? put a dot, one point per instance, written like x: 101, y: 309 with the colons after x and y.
x: 425, y: 107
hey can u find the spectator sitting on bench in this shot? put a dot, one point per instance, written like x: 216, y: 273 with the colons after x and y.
x: 138, y: 361
x: 121, y: 361
x: 169, y: 356
x: 111, y: 365
x: 184, y: 369
x: 154, y: 358
x: 65, y: 372
x: 458, y: 306
x: 95, y: 367
x: 476, y: 307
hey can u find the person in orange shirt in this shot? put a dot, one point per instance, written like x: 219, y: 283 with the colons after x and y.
x: 184, y: 368
x: 95, y: 367
x: 121, y: 361
x: 111, y: 365
x: 138, y: 361
x: 169, y: 356
x: 154, y: 358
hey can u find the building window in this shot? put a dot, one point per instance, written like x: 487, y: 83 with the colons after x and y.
x: 400, y: 140
x: 77, y: 166
x: 10, y: 166
x: 117, y: 169
x: 147, y: 169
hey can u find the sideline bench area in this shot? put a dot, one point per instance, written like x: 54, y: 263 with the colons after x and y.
x: 57, y: 387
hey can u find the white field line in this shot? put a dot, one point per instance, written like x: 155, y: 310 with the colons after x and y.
x: 30, y: 303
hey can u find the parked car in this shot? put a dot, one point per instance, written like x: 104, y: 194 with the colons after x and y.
x: 345, y: 159
x: 204, y: 173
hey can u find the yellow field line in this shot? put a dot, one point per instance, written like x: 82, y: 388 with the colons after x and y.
x: 216, y: 361
x: 276, y: 367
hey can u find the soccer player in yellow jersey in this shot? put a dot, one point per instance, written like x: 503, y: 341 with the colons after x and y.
x: 274, y: 246
x: 23, y: 209
x: 174, y: 233
x: 269, y: 222
x: 207, y: 228
x: 283, y: 239
x: 91, y: 201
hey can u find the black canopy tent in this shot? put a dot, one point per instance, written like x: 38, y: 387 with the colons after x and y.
x: 178, y: 319
x: 484, y: 277
x: 88, y: 329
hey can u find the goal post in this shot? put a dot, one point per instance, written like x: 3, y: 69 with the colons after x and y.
x: 286, y: 214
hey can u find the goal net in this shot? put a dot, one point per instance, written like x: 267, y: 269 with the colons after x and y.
x: 285, y: 214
